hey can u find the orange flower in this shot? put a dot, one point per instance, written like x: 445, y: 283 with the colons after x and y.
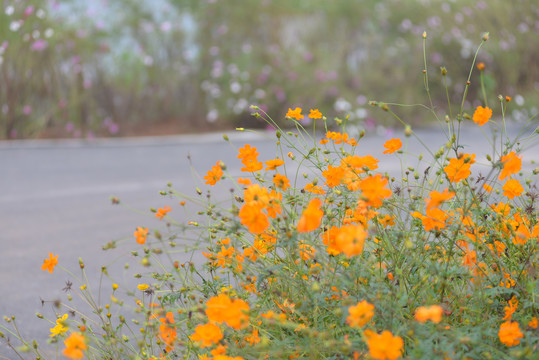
x: 436, y: 198
x: 232, y: 312
x: 253, y: 339
x: 333, y: 175
x: 392, y: 145
x: 243, y: 181
x: 512, y: 188
x: 257, y: 194
x: 50, y: 263
x: 281, y: 182
x: 247, y: 152
x: 160, y: 214
x: 225, y: 256
x: 511, y: 165
x: 510, y: 309
x: 274, y: 205
x: 435, y: 219
x: 141, y: 234
x: 311, y: 216
x: 167, y: 330
x: 328, y: 238
x: 74, y: 346
x: 481, y: 66
x: 501, y: 208
x: 306, y: 251
x: 458, y: 169
x: 251, y: 215
x: 207, y: 335
x: 314, y: 189
x: 373, y: 189
x: 360, y: 314
x: 482, y: 115
x: 510, y: 333
x: 470, y: 258
x: 252, y: 165
x: 533, y: 323
x: 219, y: 350
x: 295, y: 114
x: 273, y: 164
x: 487, y: 187
x: 350, y: 240
x: 248, y: 156
x: 360, y: 163
x: 315, y: 114
x: 384, y: 346
x: 432, y: 313
x: 214, y: 175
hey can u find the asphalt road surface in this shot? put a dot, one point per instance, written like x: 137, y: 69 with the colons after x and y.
x: 55, y: 197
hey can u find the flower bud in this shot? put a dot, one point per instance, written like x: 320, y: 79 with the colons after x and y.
x: 408, y: 131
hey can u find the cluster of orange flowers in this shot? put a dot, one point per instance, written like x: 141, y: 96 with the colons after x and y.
x: 346, y: 229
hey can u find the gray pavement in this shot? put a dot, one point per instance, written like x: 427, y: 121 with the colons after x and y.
x: 54, y: 197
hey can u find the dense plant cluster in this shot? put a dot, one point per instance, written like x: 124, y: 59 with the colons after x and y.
x: 317, y: 254
x: 84, y: 69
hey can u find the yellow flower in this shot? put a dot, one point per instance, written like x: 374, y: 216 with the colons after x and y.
x: 60, y: 327
x: 143, y: 287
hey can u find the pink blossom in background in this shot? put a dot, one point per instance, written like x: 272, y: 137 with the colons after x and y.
x: 4, y: 45
x: 370, y: 124
x: 308, y: 57
x: 27, y: 110
x: 70, y: 127
x: 332, y: 75
x: 320, y: 75
x: 13, y: 134
x: 292, y: 76
x: 389, y: 133
x: 114, y: 128
x: 28, y: 11
x: 39, y: 45
x: 280, y: 95
x: 166, y: 26
x: 333, y: 91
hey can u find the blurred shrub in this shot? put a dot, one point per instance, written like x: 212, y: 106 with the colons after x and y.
x: 98, y: 68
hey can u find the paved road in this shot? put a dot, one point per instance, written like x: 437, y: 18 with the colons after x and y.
x: 54, y: 197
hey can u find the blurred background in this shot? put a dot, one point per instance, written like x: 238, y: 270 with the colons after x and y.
x: 94, y: 68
